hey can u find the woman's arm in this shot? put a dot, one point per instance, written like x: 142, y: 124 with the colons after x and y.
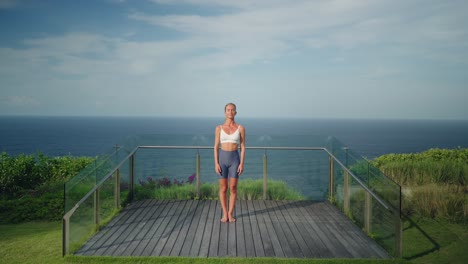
x: 240, y: 170
x: 216, y: 150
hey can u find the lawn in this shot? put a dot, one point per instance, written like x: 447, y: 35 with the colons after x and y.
x: 40, y: 242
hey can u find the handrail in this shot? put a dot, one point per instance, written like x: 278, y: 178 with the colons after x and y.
x: 71, y: 211
x: 115, y: 151
x: 361, y: 183
x: 210, y: 147
x: 290, y: 148
x: 67, y: 216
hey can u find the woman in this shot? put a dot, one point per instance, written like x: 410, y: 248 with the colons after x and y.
x: 228, y: 163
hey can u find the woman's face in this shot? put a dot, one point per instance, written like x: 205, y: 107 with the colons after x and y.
x: 230, y: 111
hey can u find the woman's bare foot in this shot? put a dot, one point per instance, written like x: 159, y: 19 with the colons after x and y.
x: 224, y: 219
x: 232, y: 219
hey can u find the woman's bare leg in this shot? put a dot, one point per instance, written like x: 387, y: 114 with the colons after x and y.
x: 232, y: 198
x: 223, y: 185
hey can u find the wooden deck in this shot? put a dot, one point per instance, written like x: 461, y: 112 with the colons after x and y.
x: 282, y: 229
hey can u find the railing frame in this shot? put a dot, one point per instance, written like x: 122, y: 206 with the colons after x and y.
x: 332, y: 159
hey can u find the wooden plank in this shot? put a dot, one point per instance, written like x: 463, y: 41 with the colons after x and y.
x: 275, y: 222
x: 308, y: 235
x: 264, y: 231
x: 187, y: 220
x: 272, y: 247
x: 289, y: 236
x: 248, y: 236
x: 232, y: 236
x: 257, y: 238
x: 339, y: 234
x: 149, y: 220
x: 171, y: 222
x: 223, y: 236
x: 152, y: 237
x: 173, y: 234
x: 215, y: 232
x: 292, y: 226
x: 206, y: 240
x: 364, y: 246
x: 131, y: 241
x: 263, y: 228
x: 240, y: 238
x: 101, y: 238
x: 189, y: 240
x: 173, y: 230
x: 121, y: 242
x: 277, y: 249
x: 322, y: 228
x: 202, y: 237
x: 108, y: 246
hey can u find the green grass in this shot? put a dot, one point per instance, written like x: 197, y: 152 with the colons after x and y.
x: 40, y: 242
x: 247, y: 189
x: 430, y: 241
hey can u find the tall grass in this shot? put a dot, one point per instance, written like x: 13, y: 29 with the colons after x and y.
x: 434, y: 183
x: 247, y: 189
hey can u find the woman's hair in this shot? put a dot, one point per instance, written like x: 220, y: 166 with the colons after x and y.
x: 228, y: 104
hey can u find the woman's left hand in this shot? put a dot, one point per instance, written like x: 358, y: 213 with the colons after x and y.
x: 240, y: 169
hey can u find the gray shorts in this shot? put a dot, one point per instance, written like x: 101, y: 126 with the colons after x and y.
x: 229, y: 162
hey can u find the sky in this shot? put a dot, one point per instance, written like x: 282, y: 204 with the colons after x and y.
x: 366, y: 59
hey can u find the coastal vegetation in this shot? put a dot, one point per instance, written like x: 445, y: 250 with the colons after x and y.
x: 247, y: 189
x: 434, y: 192
x: 434, y: 182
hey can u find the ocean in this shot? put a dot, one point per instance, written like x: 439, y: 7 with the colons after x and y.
x: 90, y: 136
x: 302, y: 170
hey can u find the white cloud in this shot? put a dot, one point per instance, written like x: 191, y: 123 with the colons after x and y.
x: 323, y: 40
x: 271, y: 28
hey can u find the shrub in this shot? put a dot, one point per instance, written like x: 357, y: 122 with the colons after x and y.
x: 31, y: 186
x: 25, y: 173
x: 247, y: 189
x: 434, y: 182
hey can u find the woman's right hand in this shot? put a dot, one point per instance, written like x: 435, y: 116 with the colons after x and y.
x: 218, y: 169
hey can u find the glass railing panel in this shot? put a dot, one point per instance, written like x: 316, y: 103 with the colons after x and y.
x: 160, y: 173
x: 338, y: 186
x: 302, y: 171
x: 77, y: 187
x: 383, y: 227
x: 82, y: 224
x: 357, y: 196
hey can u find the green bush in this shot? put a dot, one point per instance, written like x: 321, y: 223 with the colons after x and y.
x: 31, y: 186
x: 247, y: 189
x: 25, y: 173
x: 434, y: 182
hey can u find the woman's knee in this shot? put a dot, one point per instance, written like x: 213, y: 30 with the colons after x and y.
x: 223, y: 188
x: 233, y: 188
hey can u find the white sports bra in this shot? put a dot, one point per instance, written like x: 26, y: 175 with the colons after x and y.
x: 230, y: 138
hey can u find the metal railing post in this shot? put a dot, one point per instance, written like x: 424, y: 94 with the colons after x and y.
x: 198, y: 174
x: 331, y: 177
x: 346, y: 196
x: 368, y: 213
x: 132, y: 177
x: 398, y: 231
x: 265, y: 175
x: 117, y: 189
x: 398, y: 236
x: 65, y: 236
x: 96, y: 207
